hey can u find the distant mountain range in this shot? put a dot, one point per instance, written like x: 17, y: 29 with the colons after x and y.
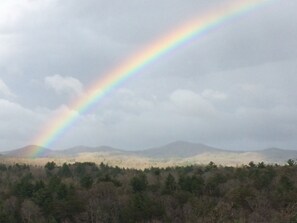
x: 176, y: 152
x: 178, y: 149
x: 85, y: 149
x: 29, y: 151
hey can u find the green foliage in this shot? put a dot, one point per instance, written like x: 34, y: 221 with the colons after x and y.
x: 24, y: 188
x: 139, y: 183
x: 261, y: 165
x: 156, y: 171
x: 213, y: 182
x: 285, y: 184
x: 65, y: 171
x: 50, y: 165
x: 54, y: 183
x: 291, y: 162
x: 80, y: 169
x: 86, y: 182
x: 211, y: 166
x: 85, y: 192
x: 142, y: 208
x: 170, y: 184
x: 252, y: 164
x: 3, y: 167
x: 108, y: 178
x: 191, y: 184
x: 263, y: 178
x: 239, y: 197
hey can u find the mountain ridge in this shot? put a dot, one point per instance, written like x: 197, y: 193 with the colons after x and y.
x: 180, y: 149
x: 29, y: 151
x: 88, y: 149
x: 177, y: 150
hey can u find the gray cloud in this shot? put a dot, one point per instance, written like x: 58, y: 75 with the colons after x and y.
x: 189, y: 103
x: 234, y: 87
x: 4, y: 89
x: 62, y: 84
x: 17, y: 124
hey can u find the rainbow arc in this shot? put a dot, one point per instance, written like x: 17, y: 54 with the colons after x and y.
x: 178, y: 37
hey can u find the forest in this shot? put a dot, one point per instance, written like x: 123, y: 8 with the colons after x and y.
x: 87, y: 192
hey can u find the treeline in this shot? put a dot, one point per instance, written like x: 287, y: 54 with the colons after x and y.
x: 86, y: 192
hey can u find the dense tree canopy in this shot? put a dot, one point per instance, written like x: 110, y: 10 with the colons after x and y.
x: 86, y: 192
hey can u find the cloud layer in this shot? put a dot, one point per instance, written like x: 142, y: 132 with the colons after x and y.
x: 233, y: 88
x: 61, y: 84
x: 4, y: 89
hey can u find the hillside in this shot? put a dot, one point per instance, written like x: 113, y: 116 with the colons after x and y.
x: 276, y: 154
x: 74, y: 151
x: 178, y: 149
x: 179, y: 153
x: 29, y: 151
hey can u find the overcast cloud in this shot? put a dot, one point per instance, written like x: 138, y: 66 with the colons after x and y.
x: 62, y: 84
x: 234, y: 88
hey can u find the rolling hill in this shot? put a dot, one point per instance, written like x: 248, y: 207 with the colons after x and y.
x: 178, y: 149
x: 29, y: 151
x: 85, y: 149
x: 175, y: 153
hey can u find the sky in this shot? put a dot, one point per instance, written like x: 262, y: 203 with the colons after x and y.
x: 233, y: 88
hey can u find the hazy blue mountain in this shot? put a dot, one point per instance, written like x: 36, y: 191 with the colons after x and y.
x: 30, y: 151
x: 85, y: 149
x: 276, y: 154
x: 180, y: 149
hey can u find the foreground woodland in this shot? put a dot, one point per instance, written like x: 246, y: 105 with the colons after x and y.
x: 86, y: 192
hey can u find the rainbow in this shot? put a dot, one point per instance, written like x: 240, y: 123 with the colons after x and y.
x: 183, y: 34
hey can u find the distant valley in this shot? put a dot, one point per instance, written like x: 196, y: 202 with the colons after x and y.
x: 177, y: 153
